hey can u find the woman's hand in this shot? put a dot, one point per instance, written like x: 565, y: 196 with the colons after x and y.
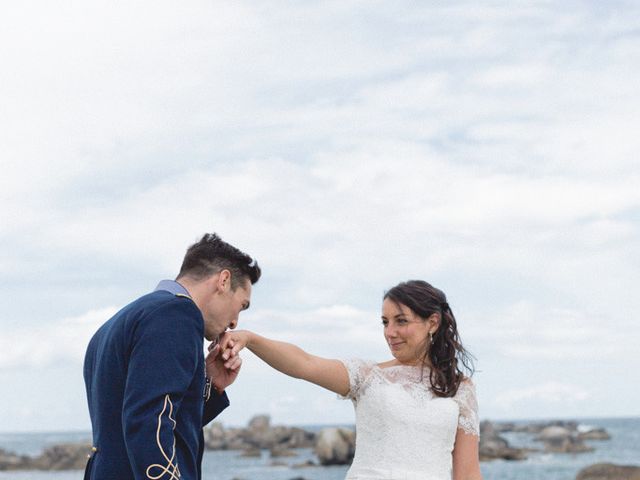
x: 231, y: 343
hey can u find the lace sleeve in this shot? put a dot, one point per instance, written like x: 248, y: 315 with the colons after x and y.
x: 466, y: 399
x: 358, y: 371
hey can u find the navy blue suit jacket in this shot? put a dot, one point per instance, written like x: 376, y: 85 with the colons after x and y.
x: 145, y: 378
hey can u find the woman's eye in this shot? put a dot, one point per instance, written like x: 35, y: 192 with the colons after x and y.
x: 385, y: 322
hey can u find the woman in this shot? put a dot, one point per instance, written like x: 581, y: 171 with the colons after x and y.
x: 416, y: 415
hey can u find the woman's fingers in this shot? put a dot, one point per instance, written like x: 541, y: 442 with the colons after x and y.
x: 234, y: 363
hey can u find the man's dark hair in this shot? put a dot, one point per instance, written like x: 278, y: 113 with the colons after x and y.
x: 211, y: 255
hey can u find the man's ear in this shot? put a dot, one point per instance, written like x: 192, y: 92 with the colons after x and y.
x: 224, y: 280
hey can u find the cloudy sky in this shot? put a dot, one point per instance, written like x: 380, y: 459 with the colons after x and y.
x: 487, y: 147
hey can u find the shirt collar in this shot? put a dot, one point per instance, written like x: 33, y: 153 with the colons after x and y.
x: 172, y: 286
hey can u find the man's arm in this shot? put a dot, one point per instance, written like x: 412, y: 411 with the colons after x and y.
x: 214, y: 406
x: 219, y: 376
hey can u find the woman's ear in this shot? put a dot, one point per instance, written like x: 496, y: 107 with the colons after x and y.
x: 434, y: 321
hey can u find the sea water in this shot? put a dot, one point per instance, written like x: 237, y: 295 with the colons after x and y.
x: 623, y: 448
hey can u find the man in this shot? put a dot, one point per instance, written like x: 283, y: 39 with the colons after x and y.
x: 144, y: 369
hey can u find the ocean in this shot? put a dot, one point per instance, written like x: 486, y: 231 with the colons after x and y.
x: 623, y: 448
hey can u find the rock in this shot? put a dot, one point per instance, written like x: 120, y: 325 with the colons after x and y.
x: 70, y: 456
x: 215, y: 437
x: 559, y: 439
x: 335, y: 446
x: 504, y: 427
x: 594, y: 434
x: 493, y: 446
x: 553, y: 432
x: 608, y: 471
x: 282, y: 452
x: 251, y: 452
x: 258, y: 434
x: 308, y: 463
x: 536, y: 427
x: 12, y: 461
x: 566, y: 445
x: 259, y: 423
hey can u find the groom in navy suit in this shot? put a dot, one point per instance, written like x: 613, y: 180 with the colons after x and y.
x: 150, y: 389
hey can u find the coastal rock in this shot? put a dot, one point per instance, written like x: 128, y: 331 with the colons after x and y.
x: 560, y: 439
x: 215, y: 437
x: 259, y: 423
x: 566, y: 445
x: 493, y: 446
x: 282, y: 452
x: 11, y: 461
x: 69, y: 456
x: 594, y: 434
x: 535, y: 427
x: 251, y: 453
x: 608, y: 471
x: 335, y: 446
x: 258, y: 434
x: 305, y: 464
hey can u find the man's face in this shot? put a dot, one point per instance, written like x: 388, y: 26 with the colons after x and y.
x: 223, y: 308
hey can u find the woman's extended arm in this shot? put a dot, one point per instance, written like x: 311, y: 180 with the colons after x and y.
x: 466, y: 465
x: 288, y: 359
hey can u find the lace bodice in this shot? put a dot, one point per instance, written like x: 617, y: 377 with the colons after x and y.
x: 404, y: 431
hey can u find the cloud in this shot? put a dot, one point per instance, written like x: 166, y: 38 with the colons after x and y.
x: 549, y: 394
x: 63, y: 341
x: 489, y: 149
x: 336, y: 331
x: 530, y: 331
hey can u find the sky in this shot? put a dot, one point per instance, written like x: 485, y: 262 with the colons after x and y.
x: 489, y: 148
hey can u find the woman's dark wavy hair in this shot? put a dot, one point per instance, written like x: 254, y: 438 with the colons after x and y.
x: 446, y: 354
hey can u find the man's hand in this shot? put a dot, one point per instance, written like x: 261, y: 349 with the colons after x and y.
x: 222, y: 372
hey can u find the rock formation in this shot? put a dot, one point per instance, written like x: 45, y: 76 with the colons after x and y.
x: 258, y: 434
x: 335, y: 446
x: 558, y: 439
x: 594, y: 434
x: 57, y: 457
x: 493, y: 446
x: 608, y: 471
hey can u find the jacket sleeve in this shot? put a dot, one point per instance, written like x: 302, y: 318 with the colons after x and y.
x: 214, y: 406
x: 162, y: 364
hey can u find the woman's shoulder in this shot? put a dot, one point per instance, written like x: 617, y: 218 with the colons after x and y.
x: 358, y: 363
x: 466, y: 390
x: 387, y: 364
x: 467, y: 381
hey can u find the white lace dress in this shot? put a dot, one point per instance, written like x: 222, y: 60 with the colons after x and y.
x: 404, y: 432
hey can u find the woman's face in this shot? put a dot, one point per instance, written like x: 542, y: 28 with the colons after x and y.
x: 405, y: 332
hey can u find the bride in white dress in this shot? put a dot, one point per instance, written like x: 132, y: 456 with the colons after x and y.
x: 416, y: 415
